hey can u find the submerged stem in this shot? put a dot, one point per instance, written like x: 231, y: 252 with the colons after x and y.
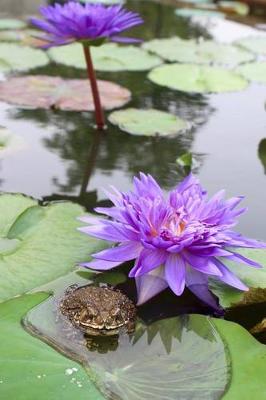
x: 99, y: 115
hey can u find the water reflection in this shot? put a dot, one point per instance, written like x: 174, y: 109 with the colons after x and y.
x: 262, y: 153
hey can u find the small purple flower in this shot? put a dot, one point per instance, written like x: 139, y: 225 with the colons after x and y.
x: 177, y: 241
x: 90, y: 23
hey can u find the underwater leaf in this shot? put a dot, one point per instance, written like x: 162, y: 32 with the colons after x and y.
x: 10, y: 23
x: 256, y: 44
x: 148, y: 122
x: 248, y: 362
x: 255, y: 71
x: 30, y: 369
x: 202, y: 52
x: 254, y: 278
x: 197, y: 12
x: 197, y: 79
x: 9, y: 142
x: 20, y: 58
x: 39, y: 91
x: 108, y: 57
x: 41, y: 243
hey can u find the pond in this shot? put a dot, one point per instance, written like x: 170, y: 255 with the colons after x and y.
x: 180, y: 349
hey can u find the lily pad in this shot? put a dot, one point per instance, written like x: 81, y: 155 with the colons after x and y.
x: 20, y: 58
x: 254, y: 278
x: 197, y: 79
x: 25, y: 37
x: 40, y: 243
x: 255, y: 71
x: 237, y: 7
x: 9, y: 142
x: 30, y: 369
x: 148, y: 122
x: 203, y: 52
x: 256, y: 44
x: 108, y: 57
x: 10, y: 23
x: 53, y: 92
x: 196, y: 12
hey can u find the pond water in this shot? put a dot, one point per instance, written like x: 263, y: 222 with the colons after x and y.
x: 64, y: 158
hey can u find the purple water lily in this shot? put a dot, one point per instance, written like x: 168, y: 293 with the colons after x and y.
x: 90, y: 25
x: 177, y: 241
x: 74, y: 22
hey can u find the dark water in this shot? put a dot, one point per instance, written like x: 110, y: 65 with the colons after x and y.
x: 64, y: 158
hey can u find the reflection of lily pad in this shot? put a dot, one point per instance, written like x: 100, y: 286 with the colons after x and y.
x: 148, y: 122
x: 50, y: 92
x: 10, y: 23
x: 255, y: 71
x: 9, y: 142
x: 196, y: 12
x: 30, y: 369
x: 198, y: 79
x: 254, y: 278
x: 46, y: 243
x: 108, y: 57
x: 203, y: 52
x: 257, y: 44
x: 22, y: 58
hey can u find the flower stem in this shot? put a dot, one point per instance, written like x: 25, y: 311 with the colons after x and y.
x: 99, y: 115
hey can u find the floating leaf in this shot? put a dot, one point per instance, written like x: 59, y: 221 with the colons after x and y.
x: 42, y: 242
x: 20, y: 58
x: 257, y: 44
x: 148, y: 122
x: 255, y: 71
x: 254, y: 278
x: 196, y: 12
x: 49, y: 92
x: 237, y: 7
x: 108, y: 57
x: 203, y: 52
x: 30, y: 369
x: 10, y: 23
x: 25, y: 37
x: 198, y: 79
x: 9, y: 142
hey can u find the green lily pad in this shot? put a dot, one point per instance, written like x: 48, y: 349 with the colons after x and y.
x: 20, y: 58
x: 254, y: 278
x: 256, y: 44
x: 196, y: 12
x: 255, y: 71
x: 248, y: 362
x: 41, y: 243
x: 9, y: 142
x: 30, y: 369
x: 25, y: 37
x: 203, y: 52
x: 40, y: 91
x: 10, y: 23
x: 197, y: 79
x: 237, y: 7
x: 148, y: 122
x: 108, y: 57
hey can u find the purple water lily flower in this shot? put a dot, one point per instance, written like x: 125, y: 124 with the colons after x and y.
x: 177, y: 241
x: 74, y: 21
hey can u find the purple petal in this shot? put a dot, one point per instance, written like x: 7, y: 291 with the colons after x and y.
x: 175, y: 270
x: 150, y: 285
x: 123, y: 252
x: 241, y: 259
x: 229, y: 278
x: 148, y: 260
x: 123, y: 39
x: 202, y: 264
x: 100, y: 264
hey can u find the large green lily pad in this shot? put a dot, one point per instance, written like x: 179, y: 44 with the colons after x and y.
x: 10, y: 23
x: 38, y: 243
x: 30, y: 369
x: 197, y: 79
x: 202, y: 52
x: 39, y: 91
x: 20, y: 58
x: 108, y: 57
x: 254, y: 278
x: 148, y: 122
x: 9, y: 142
x: 198, y: 12
x: 255, y: 71
x: 256, y: 44
x: 25, y: 37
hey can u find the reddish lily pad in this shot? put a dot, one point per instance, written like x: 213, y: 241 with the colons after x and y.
x: 53, y: 92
